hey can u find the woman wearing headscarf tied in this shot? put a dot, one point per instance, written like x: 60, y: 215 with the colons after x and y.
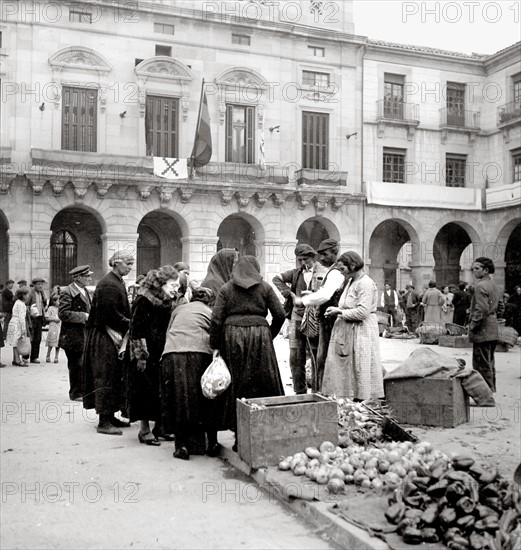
x: 220, y: 269
x: 241, y: 334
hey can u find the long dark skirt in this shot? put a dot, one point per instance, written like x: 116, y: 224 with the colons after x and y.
x: 102, y: 374
x: 186, y: 412
x: 250, y: 356
x: 142, y: 391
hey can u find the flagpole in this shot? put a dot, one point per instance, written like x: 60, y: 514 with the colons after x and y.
x: 192, y: 167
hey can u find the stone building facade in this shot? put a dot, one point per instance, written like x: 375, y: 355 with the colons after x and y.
x: 361, y: 140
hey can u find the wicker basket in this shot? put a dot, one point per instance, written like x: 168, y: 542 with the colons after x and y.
x: 456, y: 330
x: 383, y: 318
x: 507, y: 335
x: 429, y: 333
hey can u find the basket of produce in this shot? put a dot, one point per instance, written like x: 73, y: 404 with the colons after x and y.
x: 383, y: 318
x: 456, y: 330
x: 507, y: 335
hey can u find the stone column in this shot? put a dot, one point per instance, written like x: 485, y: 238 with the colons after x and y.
x: 119, y: 242
x: 422, y: 273
x: 499, y: 275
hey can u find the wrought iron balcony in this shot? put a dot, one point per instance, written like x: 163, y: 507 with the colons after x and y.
x: 460, y: 118
x: 509, y: 113
x: 397, y: 110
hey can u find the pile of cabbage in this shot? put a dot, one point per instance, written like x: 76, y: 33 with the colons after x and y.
x: 379, y: 467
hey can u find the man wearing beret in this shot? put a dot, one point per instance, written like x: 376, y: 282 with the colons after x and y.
x: 327, y: 295
x: 36, y: 301
x: 73, y: 312
x: 291, y: 284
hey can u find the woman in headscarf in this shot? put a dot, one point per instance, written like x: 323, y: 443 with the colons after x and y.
x: 353, y: 367
x: 240, y: 333
x: 220, y: 269
x: 151, y: 312
x: 187, y: 354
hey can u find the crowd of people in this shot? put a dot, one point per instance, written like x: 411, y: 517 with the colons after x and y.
x: 145, y: 357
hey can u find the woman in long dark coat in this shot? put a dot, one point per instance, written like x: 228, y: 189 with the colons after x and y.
x: 220, y: 269
x: 108, y: 322
x: 151, y: 311
x: 242, y: 335
x: 187, y: 354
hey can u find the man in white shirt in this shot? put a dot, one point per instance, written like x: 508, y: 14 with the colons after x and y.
x: 389, y: 302
x: 327, y: 295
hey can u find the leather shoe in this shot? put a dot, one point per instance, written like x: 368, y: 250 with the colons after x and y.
x: 35, y: 360
x: 119, y: 423
x: 2, y: 365
x: 182, y: 453
x: 148, y: 441
x: 160, y: 435
x: 108, y: 429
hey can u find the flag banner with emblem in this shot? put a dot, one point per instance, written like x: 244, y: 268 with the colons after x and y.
x: 171, y: 169
x: 202, y: 150
x: 262, y: 159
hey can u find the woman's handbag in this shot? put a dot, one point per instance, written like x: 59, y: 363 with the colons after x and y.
x: 309, y: 323
x: 23, y: 346
x: 216, y: 378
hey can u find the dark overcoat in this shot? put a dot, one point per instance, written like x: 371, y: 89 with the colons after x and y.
x: 72, y: 313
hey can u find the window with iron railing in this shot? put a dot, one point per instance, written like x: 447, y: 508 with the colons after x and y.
x: 240, y: 134
x: 394, y: 165
x: 455, y: 104
x: 393, y: 96
x: 455, y: 167
x: 516, y: 165
x: 162, y: 126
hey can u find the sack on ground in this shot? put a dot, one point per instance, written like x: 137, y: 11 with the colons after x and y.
x: 309, y: 323
x: 216, y: 378
x: 474, y: 384
x: 23, y: 346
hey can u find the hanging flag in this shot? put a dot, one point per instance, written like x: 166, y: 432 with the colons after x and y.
x: 262, y: 159
x: 171, y: 169
x: 202, y: 150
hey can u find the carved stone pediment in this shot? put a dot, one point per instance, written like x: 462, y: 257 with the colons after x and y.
x: 79, y: 58
x: 241, y: 77
x: 163, y: 67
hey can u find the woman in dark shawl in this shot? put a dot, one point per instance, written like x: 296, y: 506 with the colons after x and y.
x: 151, y: 312
x: 220, y: 269
x: 240, y: 333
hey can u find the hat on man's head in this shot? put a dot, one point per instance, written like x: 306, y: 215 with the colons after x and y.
x: 22, y: 282
x: 37, y: 280
x: 327, y: 244
x: 305, y: 250
x: 81, y: 271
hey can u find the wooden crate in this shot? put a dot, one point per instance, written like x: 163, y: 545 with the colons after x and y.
x: 287, y: 425
x: 449, y: 341
x: 428, y: 401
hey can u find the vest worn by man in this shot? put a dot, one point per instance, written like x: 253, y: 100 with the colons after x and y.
x: 389, y: 300
x: 333, y: 301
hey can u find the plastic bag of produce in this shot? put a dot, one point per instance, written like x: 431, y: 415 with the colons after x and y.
x: 216, y: 378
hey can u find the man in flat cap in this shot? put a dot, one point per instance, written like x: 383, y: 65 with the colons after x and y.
x: 21, y: 283
x: 36, y: 301
x: 109, y: 321
x: 327, y: 295
x: 295, y: 283
x: 73, y: 312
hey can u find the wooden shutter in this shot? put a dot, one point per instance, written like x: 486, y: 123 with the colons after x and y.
x: 250, y: 135
x: 64, y: 251
x: 229, y: 133
x: 162, y: 126
x: 79, y: 118
x: 315, y: 140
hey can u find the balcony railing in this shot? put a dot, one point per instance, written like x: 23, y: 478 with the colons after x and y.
x: 460, y: 118
x: 397, y: 110
x: 509, y: 113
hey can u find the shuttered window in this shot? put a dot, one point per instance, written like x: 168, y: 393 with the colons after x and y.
x: 162, y: 126
x: 79, y: 118
x: 315, y: 140
x: 240, y: 134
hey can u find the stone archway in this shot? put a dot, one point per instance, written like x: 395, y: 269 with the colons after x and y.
x: 513, y: 260
x: 390, y: 253
x: 4, y: 248
x: 449, y: 244
x: 235, y: 231
x: 314, y: 230
x: 75, y: 239
x: 159, y: 241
